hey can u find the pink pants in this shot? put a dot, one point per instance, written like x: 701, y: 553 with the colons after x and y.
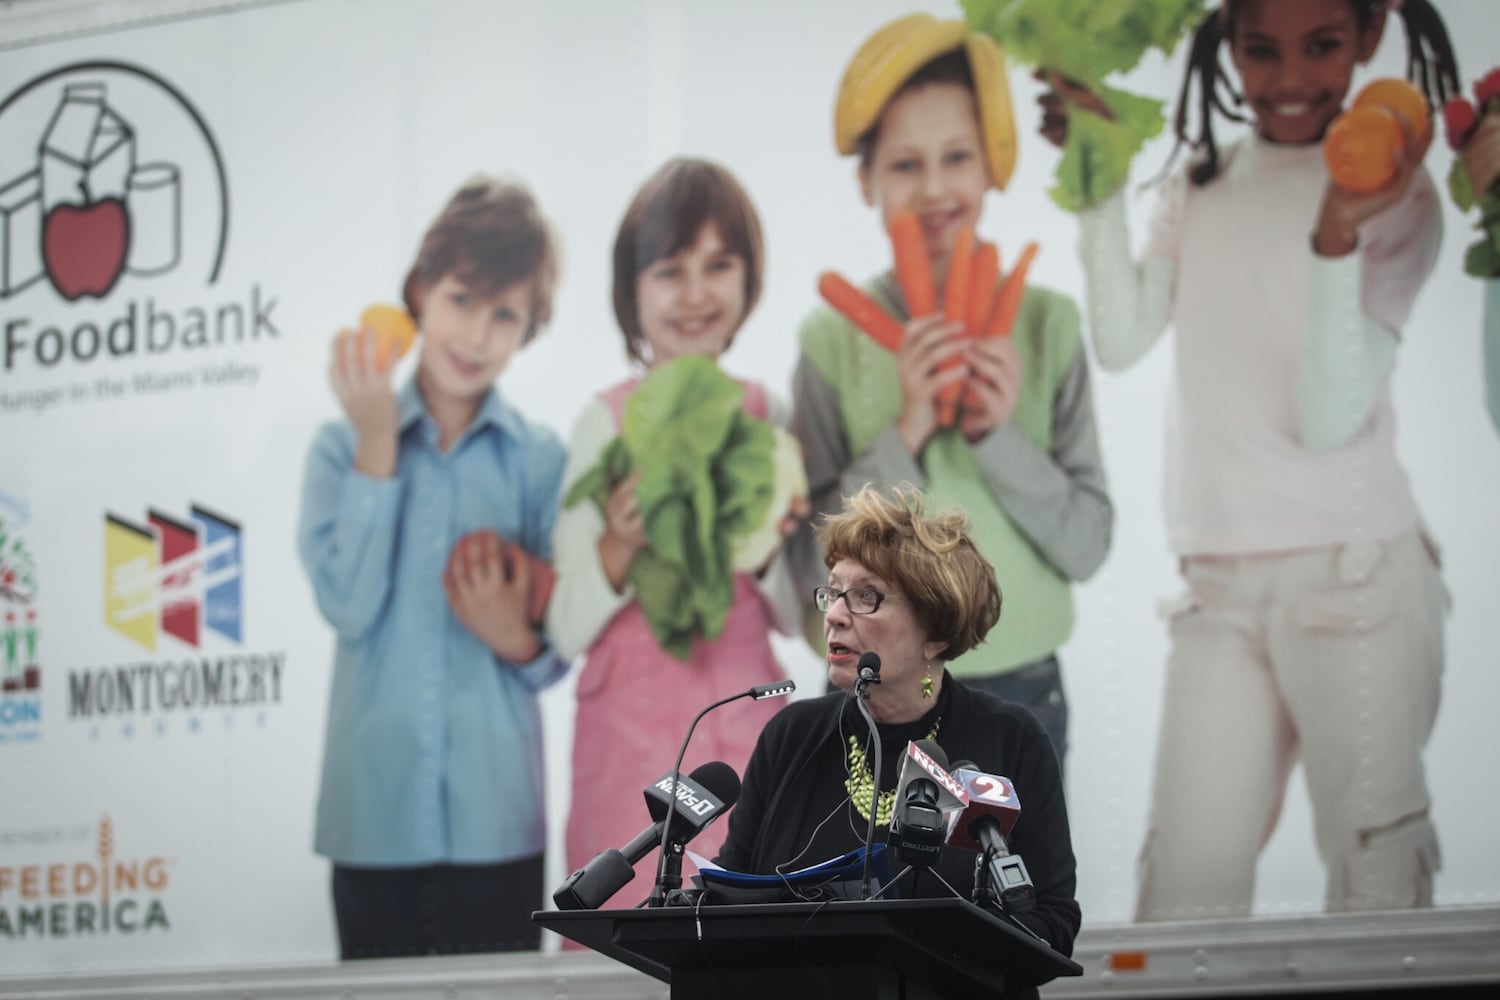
x: 1332, y: 657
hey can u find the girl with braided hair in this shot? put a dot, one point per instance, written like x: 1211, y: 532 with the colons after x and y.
x: 1311, y: 629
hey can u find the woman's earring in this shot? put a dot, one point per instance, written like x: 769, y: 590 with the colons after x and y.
x: 927, y: 682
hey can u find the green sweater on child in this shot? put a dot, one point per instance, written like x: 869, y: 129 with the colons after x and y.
x: 1033, y: 488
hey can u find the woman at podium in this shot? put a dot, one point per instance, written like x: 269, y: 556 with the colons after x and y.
x: 914, y: 590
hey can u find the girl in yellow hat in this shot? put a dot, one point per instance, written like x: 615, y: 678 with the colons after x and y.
x: 925, y: 107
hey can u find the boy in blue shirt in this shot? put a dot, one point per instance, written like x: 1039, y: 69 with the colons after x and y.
x: 431, y: 806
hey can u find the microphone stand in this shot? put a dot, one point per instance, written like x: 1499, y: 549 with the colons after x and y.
x: 669, y: 863
x: 869, y: 675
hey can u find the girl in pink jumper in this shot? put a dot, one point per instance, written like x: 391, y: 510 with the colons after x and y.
x: 1311, y: 628
x: 688, y: 262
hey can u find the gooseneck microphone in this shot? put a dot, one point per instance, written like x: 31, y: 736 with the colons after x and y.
x: 869, y: 673
x: 669, y: 864
x: 699, y: 799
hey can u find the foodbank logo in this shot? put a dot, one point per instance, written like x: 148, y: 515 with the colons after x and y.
x: 173, y: 576
x: 20, y: 668
x: 106, y: 170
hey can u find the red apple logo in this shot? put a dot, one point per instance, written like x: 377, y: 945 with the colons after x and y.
x: 84, y: 247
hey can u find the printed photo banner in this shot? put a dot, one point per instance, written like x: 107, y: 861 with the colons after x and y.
x: 190, y: 210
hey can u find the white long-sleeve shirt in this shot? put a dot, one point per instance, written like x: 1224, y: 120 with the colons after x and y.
x: 1280, y: 431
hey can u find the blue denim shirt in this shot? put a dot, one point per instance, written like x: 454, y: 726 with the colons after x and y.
x: 433, y: 751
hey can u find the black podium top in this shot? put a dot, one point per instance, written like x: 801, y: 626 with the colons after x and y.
x: 949, y: 946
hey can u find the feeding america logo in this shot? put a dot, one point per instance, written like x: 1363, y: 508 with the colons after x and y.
x: 107, y: 891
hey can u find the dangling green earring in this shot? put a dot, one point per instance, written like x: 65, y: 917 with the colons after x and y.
x: 927, y: 682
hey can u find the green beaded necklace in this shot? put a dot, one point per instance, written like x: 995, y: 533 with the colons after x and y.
x: 861, y: 782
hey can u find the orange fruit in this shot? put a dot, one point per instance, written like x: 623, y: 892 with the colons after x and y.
x: 1401, y: 97
x: 394, y: 331
x: 1360, y: 148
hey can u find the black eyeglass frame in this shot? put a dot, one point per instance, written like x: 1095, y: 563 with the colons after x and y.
x: 826, y: 596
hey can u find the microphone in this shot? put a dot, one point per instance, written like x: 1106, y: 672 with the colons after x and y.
x: 1000, y: 877
x: 869, y: 673
x: 925, y: 795
x: 669, y: 864
x: 700, y: 798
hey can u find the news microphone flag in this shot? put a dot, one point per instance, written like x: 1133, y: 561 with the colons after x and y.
x: 917, y: 765
x: 696, y: 803
x: 984, y: 795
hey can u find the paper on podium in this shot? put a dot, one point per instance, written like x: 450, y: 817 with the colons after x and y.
x: 837, y: 878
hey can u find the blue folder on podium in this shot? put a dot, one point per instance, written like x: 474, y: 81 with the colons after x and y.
x: 837, y: 878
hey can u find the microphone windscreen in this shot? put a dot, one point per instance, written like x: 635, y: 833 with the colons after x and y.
x: 719, y: 779
x: 871, y: 660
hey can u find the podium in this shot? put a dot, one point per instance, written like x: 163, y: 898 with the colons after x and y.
x: 911, y: 948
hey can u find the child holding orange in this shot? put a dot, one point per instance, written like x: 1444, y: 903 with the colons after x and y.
x: 431, y: 806
x: 688, y: 267
x: 1312, y: 625
x: 926, y: 108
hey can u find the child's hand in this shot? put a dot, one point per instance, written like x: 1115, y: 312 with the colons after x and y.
x: 799, y: 510
x: 489, y: 593
x: 1481, y: 155
x: 930, y: 340
x: 1343, y: 212
x: 994, y: 386
x: 364, y: 392
x: 1061, y: 93
x: 624, y: 531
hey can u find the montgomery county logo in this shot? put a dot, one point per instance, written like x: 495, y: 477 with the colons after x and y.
x: 106, y: 891
x: 113, y: 172
x: 173, y: 577
x: 175, y: 587
x: 21, y: 673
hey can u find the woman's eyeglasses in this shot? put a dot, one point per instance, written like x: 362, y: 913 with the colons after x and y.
x: 859, y: 600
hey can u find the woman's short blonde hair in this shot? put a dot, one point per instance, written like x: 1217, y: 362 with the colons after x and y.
x: 931, y: 560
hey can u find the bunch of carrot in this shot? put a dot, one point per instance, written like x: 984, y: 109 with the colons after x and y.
x: 974, y: 295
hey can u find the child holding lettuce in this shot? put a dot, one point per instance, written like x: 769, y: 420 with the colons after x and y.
x: 688, y: 266
x: 1311, y: 628
x: 1023, y: 457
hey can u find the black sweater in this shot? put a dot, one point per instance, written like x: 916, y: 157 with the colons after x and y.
x: 795, y: 781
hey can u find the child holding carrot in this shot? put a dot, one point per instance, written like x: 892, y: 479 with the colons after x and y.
x: 688, y: 266
x: 431, y: 806
x: 1021, y: 456
x: 1311, y: 628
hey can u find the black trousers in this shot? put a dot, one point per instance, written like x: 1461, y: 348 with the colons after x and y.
x: 437, y: 909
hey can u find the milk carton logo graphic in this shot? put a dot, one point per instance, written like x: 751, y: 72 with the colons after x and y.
x: 106, y: 170
x: 172, y: 576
